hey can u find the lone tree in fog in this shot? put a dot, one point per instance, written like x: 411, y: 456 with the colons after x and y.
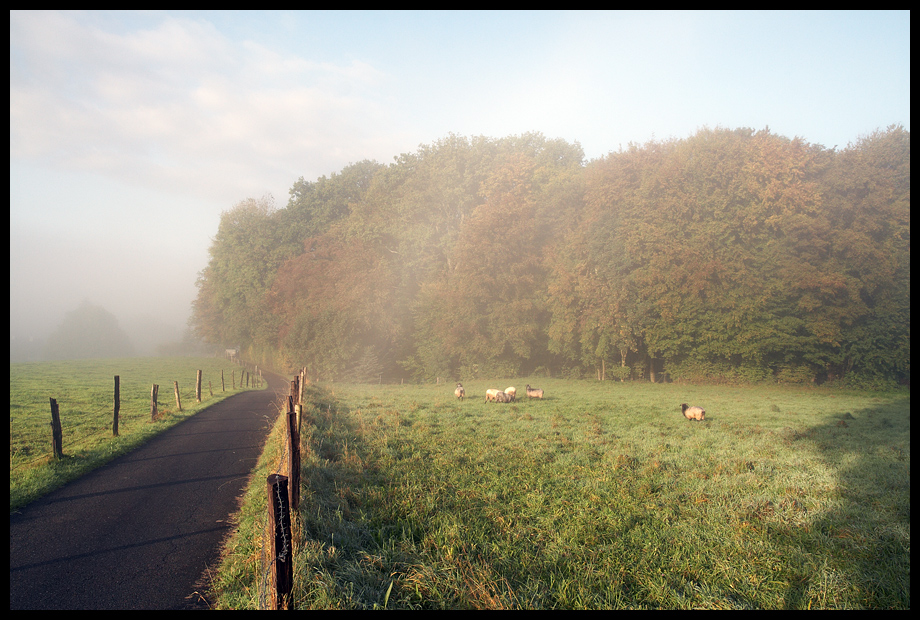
x: 88, y: 332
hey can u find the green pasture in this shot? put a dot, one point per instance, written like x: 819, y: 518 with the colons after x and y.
x: 84, y: 391
x: 599, y: 496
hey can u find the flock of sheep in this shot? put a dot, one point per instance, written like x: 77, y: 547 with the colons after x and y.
x: 509, y: 394
x: 500, y: 396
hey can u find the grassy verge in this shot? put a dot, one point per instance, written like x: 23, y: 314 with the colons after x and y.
x: 84, y: 390
x: 600, y: 496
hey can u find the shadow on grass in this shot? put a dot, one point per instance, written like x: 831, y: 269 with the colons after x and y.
x: 867, y: 531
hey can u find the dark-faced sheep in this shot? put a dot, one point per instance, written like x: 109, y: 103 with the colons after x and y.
x: 460, y: 392
x: 512, y: 392
x: 693, y: 413
x: 503, y: 397
x: 534, y: 392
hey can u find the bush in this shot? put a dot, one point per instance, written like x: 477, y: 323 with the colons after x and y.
x: 798, y: 375
x: 619, y: 373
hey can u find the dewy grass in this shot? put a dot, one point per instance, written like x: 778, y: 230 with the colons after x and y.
x: 600, y: 496
x: 84, y: 391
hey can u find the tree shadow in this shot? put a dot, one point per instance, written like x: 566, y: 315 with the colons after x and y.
x: 867, y: 531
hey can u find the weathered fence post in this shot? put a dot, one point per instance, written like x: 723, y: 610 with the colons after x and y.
x: 297, y: 397
x: 117, y: 407
x: 279, y: 529
x: 153, y: 401
x: 210, y: 389
x: 233, y: 378
x: 198, y: 387
x: 223, y: 388
x: 294, y: 452
x: 303, y: 380
x: 178, y: 404
x: 56, y: 431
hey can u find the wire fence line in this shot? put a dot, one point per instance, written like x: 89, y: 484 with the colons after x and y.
x: 287, y: 465
x: 85, y: 416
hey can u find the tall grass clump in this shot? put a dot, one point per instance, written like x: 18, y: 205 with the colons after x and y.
x: 84, y: 391
x: 602, y: 495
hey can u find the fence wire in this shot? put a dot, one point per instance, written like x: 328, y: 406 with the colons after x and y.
x: 265, y: 581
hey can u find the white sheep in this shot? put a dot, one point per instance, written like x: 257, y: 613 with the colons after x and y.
x: 512, y: 392
x: 490, y: 394
x: 534, y: 392
x: 460, y: 392
x: 693, y: 413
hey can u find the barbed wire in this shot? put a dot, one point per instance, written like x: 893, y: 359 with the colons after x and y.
x: 265, y: 581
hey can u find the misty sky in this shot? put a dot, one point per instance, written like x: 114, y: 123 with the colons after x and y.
x: 131, y: 132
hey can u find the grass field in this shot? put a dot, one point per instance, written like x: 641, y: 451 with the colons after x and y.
x: 600, y: 496
x: 84, y: 390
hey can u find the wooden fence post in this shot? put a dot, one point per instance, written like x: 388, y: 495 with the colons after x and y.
x: 178, y: 404
x: 294, y: 452
x: 153, y: 401
x: 56, y: 431
x: 117, y: 407
x: 223, y: 388
x: 233, y: 378
x: 303, y: 380
x: 282, y: 551
x: 198, y: 387
x: 210, y: 389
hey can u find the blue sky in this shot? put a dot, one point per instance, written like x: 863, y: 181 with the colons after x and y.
x: 130, y: 132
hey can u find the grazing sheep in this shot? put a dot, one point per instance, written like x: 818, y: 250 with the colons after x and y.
x: 534, y: 392
x: 460, y: 392
x: 693, y: 413
x: 512, y: 392
x: 490, y: 394
x: 503, y: 397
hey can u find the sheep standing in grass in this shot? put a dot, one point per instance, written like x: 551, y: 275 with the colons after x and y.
x: 503, y: 397
x: 693, y: 413
x: 460, y: 392
x: 512, y: 392
x: 491, y: 393
x: 534, y: 392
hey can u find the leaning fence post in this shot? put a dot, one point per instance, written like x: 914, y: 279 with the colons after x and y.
x: 178, y: 404
x: 56, y: 432
x: 279, y: 528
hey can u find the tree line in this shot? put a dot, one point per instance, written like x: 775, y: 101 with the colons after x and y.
x: 730, y: 255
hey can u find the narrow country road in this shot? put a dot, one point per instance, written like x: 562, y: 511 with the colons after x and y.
x: 142, y: 531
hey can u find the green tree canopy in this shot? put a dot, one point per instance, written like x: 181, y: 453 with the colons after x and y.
x: 732, y: 254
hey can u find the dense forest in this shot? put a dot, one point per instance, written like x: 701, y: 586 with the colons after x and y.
x: 730, y: 255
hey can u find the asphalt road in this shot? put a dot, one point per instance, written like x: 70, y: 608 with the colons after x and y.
x: 142, y: 531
